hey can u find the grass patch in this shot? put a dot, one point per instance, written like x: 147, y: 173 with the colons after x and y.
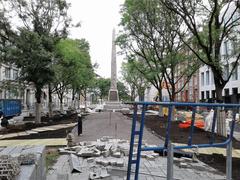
x: 51, y: 158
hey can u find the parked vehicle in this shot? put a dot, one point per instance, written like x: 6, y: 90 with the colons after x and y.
x: 10, y: 107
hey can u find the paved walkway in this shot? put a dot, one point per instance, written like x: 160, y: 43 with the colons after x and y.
x: 114, y: 124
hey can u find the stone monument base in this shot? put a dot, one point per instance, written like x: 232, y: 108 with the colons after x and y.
x: 113, y: 95
x: 112, y: 106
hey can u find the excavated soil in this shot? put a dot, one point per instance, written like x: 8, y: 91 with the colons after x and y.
x: 46, y: 121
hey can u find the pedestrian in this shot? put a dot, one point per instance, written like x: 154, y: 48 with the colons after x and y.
x: 4, y: 121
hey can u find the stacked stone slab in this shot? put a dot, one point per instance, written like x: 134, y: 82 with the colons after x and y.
x: 9, y: 167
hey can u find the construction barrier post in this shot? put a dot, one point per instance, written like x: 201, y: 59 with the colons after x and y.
x: 229, y: 161
x: 170, y: 161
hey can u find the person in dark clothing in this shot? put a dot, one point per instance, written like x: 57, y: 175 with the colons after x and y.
x: 4, y: 121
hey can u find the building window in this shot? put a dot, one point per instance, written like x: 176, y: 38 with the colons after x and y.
x: 213, y: 94
x: 190, y: 94
x: 235, y: 47
x: 202, y: 78
x: 207, y: 95
x: 15, y: 74
x: 207, y: 78
x: 235, y: 72
x: 225, y: 46
x: 202, y: 95
x: 7, y: 73
x: 226, y: 71
x: 212, y: 78
x: 234, y: 91
x: 191, y: 82
x: 226, y: 92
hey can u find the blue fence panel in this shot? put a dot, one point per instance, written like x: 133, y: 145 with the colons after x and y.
x: 171, y: 106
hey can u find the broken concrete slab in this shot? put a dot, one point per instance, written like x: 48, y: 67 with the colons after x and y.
x: 74, y: 164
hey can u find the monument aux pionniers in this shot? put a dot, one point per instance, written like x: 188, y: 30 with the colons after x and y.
x: 113, y: 102
x: 113, y: 92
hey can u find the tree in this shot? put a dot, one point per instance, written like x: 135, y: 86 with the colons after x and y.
x: 73, y: 68
x: 150, y: 37
x: 102, y: 86
x: 210, y: 24
x: 30, y: 43
x: 134, y: 79
x: 122, y: 91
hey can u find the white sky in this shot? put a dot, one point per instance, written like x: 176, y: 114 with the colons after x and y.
x: 98, y: 18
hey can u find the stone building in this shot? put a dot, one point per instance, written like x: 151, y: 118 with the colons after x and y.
x: 11, y: 88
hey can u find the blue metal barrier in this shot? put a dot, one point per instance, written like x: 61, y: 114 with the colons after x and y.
x: 171, y: 106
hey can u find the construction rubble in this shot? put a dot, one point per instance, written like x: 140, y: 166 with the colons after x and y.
x: 102, y: 155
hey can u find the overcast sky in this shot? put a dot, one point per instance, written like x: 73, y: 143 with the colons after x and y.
x: 98, y: 18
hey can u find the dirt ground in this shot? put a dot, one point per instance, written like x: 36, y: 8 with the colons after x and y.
x: 61, y: 133
x: 158, y: 125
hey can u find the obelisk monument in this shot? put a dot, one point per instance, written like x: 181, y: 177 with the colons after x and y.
x: 113, y: 92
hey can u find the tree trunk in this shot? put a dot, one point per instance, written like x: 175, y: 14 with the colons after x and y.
x: 61, y: 107
x: 79, y: 96
x: 221, y: 121
x: 73, y: 99
x: 50, y: 108
x: 61, y: 103
x: 38, y: 111
x: 85, y: 101
x: 160, y: 100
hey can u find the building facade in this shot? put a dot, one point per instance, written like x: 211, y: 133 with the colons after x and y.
x: 229, y: 51
x: 11, y: 88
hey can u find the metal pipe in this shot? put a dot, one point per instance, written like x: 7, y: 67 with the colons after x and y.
x: 170, y: 161
x: 132, y: 142
x: 140, y: 142
x: 165, y: 104
x: 229, y: 161
x: 170, y: 115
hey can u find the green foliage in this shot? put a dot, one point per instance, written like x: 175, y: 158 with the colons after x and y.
x: 73, y: 67
x: 30, y: 43
x: 150, y: 39
x: 30, y: 55
x: 133, y: 77
x: 102, y: 87
x: 122, y: 91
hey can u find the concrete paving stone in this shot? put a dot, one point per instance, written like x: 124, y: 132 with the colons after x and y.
x: 31, y: 132
x: 38, y: 130
x: 10, y: 135
x: 48, y: 129
x: 22, y: 133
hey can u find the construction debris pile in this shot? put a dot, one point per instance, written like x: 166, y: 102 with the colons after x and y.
x: 102, y: 155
